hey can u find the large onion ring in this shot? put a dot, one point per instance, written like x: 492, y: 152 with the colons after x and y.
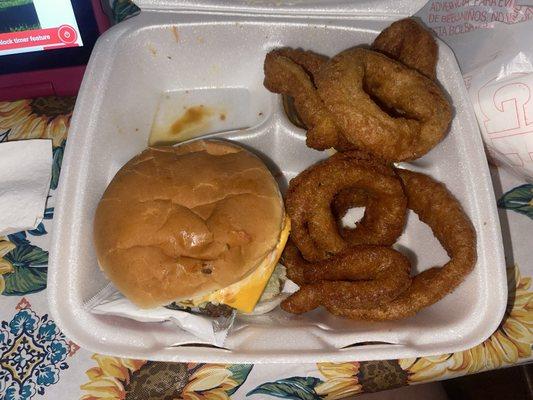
x: 437, y: 208
x: 311, y: 194
x: 351, y: 83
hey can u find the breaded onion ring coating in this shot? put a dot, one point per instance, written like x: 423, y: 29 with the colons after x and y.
x: 351, y: 83
x: 362, y: 276
x: 437, y: 208
x: 283, y: 75
x: 312, y: 193
x: 410, y: 43
x: 310, y: 61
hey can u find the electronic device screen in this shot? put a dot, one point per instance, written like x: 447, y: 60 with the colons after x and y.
x: 45, y: 45
x: 37, y: 25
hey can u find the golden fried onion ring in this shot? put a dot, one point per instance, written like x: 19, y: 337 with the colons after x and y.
x: 437, y: 208
x: 311, y: 194
x: 283, y: 75
x: 351, y: 83
x: 410, y: 43
x: 362, y: 276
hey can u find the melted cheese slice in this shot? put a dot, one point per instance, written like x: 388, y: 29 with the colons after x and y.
x: 245, y: 294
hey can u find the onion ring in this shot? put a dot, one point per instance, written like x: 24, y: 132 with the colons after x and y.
x: 424, y: 113
x: 311, y: 193
x: 346, y: 199
x: 363, y: 276
x: 437, y: 208
x: 310, y: 61
x: 410, y: 43
x: 283, y: 75
x: 375, y: 227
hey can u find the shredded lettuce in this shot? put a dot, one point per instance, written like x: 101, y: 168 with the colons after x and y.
x: 274, y: 284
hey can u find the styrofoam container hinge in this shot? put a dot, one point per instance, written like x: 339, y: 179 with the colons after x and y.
x: 324, y: 8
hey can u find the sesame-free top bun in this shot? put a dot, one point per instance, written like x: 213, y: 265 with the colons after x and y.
x: 178, y: 222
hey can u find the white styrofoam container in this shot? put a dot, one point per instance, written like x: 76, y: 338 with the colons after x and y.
x: 135, y: 63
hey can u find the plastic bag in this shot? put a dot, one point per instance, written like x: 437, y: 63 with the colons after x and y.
x: 208, y: 325
x: 492, y: 40
x: 212, y: 330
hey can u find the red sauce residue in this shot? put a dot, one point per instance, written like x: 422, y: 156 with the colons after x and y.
x: 176, y: 34
x: 192, y: 116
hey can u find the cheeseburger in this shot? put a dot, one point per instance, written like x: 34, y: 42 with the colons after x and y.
x: 200, y: 223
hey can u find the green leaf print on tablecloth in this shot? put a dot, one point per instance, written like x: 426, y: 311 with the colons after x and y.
x: 123, y: 9
x: 519, y: 199
x: 30, y: 267
x: 25, y: 280
x: 23, y: 266
x: 56, y: 164
x: 295, y: 388
x: 239, y: 373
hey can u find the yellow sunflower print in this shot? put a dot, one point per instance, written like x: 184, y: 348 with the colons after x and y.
x: 41, y: 118
x: 511, y: 342
x: 118, y: 378
x: 108, y: 379
x: 341, y: 380
x: 5, y: 266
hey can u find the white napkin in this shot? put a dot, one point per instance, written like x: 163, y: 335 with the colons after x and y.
x: 109, y: 301
x: 25, y: 173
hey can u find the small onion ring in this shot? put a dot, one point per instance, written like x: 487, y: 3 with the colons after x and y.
x: 362, y: 276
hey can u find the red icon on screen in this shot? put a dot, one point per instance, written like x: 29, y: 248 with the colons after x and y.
x: 67, y: 34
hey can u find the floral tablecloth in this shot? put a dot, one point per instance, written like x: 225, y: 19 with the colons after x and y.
x: 38, y: 361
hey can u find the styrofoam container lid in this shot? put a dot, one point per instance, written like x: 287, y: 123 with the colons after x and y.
x: 219, y: 51
x: 302, y: 7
